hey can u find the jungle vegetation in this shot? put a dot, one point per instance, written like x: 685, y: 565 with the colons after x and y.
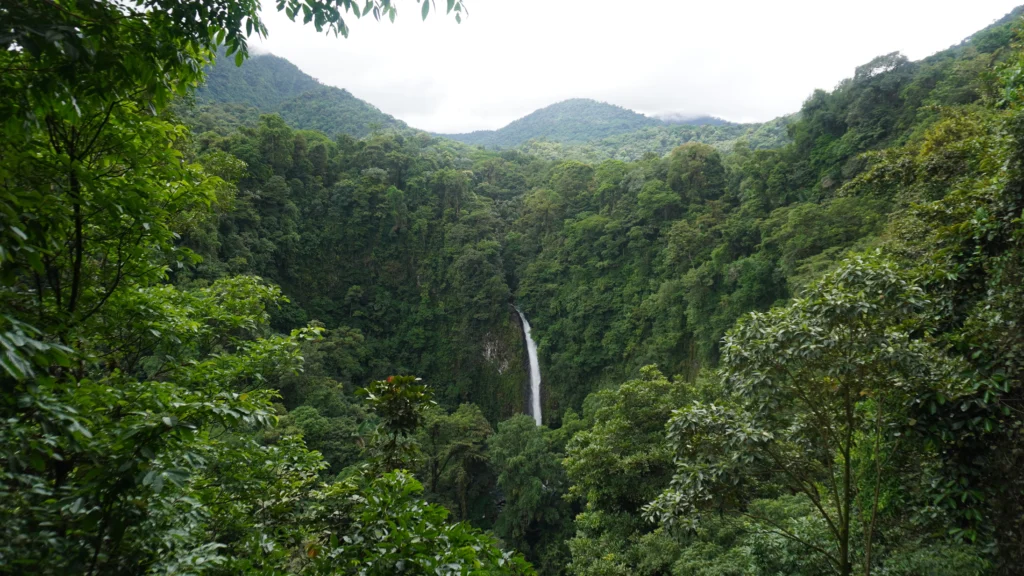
x: 238, y: 341
x: 268, y: 84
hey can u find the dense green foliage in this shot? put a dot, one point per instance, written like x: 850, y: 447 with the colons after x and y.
x: 619, y: 265
x: 885, y: 397
x: 763, y: 353
x: 867, y: 425
x: 139, y: 431
x: 264, y: 81
x: 536, y: 518
x: 270, y: 84
x: 660, y: 140
x: 392, y: 240
x: 234, y: 96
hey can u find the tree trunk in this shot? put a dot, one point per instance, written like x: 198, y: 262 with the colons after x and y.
x: 846, y: 506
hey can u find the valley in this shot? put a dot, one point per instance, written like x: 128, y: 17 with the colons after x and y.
x: 252, y: 324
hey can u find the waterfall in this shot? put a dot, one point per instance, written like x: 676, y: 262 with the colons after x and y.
x: 531, y: 350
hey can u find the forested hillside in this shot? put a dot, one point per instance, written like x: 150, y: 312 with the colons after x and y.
x: 660, y: 140
x: 847, y: 427
x: 264, y: 81
x: 618, y: 264
x: 579, y: 129
x: 591, y: 131
x: 576, y: 120
x: 242, y: 339
x: 393, y: 240
x: 144, y: 411
x: 267, y: 84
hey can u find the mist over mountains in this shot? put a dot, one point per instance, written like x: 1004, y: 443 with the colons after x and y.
x: 691, y: 119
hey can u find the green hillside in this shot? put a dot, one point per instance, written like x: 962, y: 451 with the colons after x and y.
x: 660, y: 140
x: 645, y: 257
x: 576, y: 120
x: 251, y: 343
x: 578, y: 129
x: 591, y: 131
x: 271, y: 84
x: 264, y: 81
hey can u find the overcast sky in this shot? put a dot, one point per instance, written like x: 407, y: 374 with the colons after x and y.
x: 740, y: 60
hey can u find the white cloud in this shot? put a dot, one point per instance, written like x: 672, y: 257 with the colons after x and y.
x: 741, y: 60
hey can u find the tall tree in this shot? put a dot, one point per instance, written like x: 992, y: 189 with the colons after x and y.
x: 535, y: 518
x: 814, y: 394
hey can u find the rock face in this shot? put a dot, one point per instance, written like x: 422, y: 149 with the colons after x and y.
x: 502, y: 370
x: 493, y: 353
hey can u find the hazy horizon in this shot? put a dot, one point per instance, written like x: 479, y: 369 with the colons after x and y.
x: 753, y: 65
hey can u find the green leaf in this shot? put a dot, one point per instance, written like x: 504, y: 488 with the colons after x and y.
x: 426, y: 8
x: 35, y: 261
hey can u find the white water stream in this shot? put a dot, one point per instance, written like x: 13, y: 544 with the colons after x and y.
x: 531, y: 351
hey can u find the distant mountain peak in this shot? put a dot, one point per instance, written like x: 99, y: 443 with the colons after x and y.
x: 272, y: 84
x: 570, y: 121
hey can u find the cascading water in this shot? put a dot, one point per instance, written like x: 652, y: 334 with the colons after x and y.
x: 531, y: 351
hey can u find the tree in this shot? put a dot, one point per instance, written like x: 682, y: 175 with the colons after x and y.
x: 616, y: 465
x: 399, y: 402
x: 817, y: 392
x: 696, y: 173
x: 128, y: 468
x: 535, y: 518
x: 454, y: 460
x: 384, y: 527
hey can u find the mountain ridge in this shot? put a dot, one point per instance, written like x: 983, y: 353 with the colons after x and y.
x: 578, y: 121
x: 270, y: 84
x: 575, y: 120
x: 273, y: 85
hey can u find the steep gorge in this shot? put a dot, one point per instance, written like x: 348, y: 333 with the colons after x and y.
x: 416, y: 243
